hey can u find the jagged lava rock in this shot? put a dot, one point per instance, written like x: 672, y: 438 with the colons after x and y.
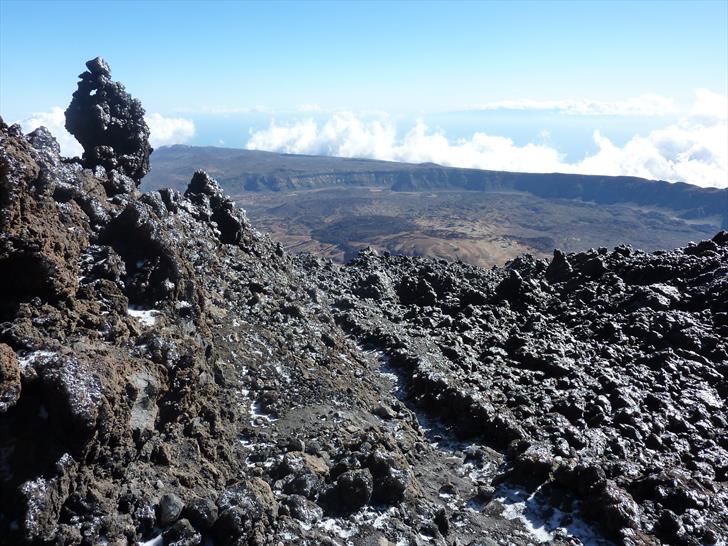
x: 613, y: 362
x: 165, y: 370
x: 110, y: 126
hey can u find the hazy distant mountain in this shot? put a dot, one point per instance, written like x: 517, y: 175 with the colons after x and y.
x: 335, y: 206
x: 252, y: 170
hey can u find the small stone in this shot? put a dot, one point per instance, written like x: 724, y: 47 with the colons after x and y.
x: 170, y: 508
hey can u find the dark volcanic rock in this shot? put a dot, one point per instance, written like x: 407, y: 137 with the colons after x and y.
x: 9, y: 378
x: 352, y: 490
x: 170, y: 508
x: 206, y: 193
x: 590, y: 374
x: 110, y: 126
x: 559, y: 269
x: 166, y: 371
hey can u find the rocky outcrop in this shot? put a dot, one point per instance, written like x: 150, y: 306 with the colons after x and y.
x: 165, y: 371
x: 207, y: 194
x: 110, y: 126
x: 602, y: 375
x: 38, y: 251
x: 168, y: 374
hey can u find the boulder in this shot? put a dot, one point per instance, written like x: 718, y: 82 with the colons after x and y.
x: 559, y: 269
x: 170, y: 508
x: 351, y: 492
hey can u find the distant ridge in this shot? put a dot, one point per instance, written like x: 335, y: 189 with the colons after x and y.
x: 258, y: 171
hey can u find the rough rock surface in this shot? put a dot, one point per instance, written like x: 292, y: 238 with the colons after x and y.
x: 110, y: 126
x: 602, y: 375
x: 168, y: 374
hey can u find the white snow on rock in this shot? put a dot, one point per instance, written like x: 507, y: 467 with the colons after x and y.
x: 543, y: 521
x: 32, y: 358
x: 148, y: 317
x: 257, y: 415
x: 347, y: 527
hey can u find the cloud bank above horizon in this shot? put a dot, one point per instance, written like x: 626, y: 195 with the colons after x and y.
x: 693, y: 150
x: 163, y: 131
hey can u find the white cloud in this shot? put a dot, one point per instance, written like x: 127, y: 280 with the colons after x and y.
x: 709, y: 106
x: 644, y: 105
x: 693, y: 150
x: 163, y: 130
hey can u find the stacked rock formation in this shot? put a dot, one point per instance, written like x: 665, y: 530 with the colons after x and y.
x: 110, y: 126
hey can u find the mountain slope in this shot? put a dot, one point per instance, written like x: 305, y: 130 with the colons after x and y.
x: 169, y: 375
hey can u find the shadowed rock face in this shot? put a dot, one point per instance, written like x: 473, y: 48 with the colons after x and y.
x: 109, y: 124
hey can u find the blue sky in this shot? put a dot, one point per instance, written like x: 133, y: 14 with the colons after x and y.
x: 550, y: 74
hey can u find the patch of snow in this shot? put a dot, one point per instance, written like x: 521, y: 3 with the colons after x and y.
x: 283, y: 373
x: 31, y: 358
x: 148, y: 317
x: 541, y: 520
x: 256, y: 414
x: 388, y: 372
x: 345, y: 528
x: 374, y: 517
x: 338, y: 526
